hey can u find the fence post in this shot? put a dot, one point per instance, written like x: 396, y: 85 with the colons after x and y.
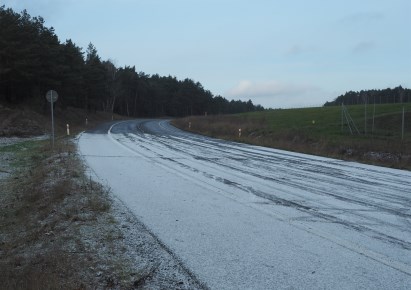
x: 403, y: 120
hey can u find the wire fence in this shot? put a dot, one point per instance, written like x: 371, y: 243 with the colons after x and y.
x: 377, y: 120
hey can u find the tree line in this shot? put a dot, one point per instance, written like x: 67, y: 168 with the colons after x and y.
x: 33, y: 61
x: 396, y: 95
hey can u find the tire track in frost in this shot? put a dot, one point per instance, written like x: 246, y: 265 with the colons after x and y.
x: 354, y: 247
x: 264, y: 154
x: 302, y: 186
x: 309, y: 209
x: 335, y: 180
x: 298, y: 182
x: 277, y: 200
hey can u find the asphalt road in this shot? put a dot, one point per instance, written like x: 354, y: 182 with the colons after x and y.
x: 246, y: 217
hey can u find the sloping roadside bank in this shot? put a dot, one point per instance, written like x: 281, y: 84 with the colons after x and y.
x: 59, y: 229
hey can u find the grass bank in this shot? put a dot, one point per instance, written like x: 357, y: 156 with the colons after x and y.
x: 61, y: 230
x: 321, y: 131
x: 56, y: 228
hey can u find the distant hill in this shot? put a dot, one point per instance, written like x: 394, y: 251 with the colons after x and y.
x: 386, y: 96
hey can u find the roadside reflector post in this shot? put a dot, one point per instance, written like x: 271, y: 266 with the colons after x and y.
x: 239, y: 132
x: 68, y: 130
x: 86, y: 121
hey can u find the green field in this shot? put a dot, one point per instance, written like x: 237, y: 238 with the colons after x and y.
x: 378, y: 139
x: 327, y: 121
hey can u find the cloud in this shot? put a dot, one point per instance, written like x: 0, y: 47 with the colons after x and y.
x: 361, y: 17
x: 298, y: 50
x: 363, y: 47
x: 275, y: 93
x: 268, y: 88
x: 294, y: 50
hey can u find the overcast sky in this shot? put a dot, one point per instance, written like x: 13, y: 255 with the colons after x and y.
x: 278, y: 53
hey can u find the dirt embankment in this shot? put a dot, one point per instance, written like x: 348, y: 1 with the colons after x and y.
x: 24, y: 122
x: 21, y: 122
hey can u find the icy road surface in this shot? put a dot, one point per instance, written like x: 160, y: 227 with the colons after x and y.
x: 248, y: 217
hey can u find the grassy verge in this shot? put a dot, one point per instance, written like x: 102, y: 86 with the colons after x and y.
x: 61, y: 230
x: 56, y: 229
x: 319, y: 131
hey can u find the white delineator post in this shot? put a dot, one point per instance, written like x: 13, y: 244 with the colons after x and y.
x: 68, y: 130
x: 239, y: 132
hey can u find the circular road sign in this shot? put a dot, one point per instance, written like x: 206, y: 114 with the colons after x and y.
x: 52, y: 96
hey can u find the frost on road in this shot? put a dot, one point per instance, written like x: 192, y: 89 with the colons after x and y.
x: 247, y: 217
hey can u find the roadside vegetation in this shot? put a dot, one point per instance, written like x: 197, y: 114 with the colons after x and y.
x: 56, y: 228
x: 320, y: 131
x: 23, y: 121
x: 61, y: 230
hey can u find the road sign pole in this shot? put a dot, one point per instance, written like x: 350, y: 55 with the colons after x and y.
x: 52, y: 120
x: 52, y: 96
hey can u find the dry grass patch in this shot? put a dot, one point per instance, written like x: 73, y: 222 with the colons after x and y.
x: 61, y: 230
x: 56, y: 227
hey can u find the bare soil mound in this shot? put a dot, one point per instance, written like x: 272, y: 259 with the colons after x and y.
x: 22, y: 122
